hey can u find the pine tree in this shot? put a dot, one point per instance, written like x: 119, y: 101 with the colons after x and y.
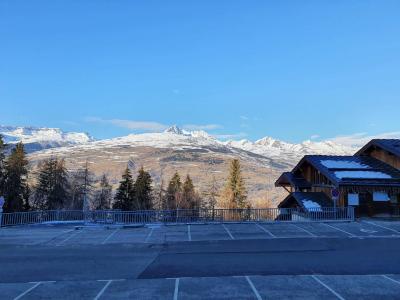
x: 52, y: 188
x: 235, y: 193
x: 82, y: 183
x: 103, y: 195
x: 124, y: 196
x: 2, y: 166
x: 212, y: 195
x: 190, y: 198
x: 16, y: 188
x: 174, y: 192
x: 143, y: 191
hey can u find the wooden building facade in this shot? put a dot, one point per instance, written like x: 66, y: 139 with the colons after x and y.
x: 371, y: 185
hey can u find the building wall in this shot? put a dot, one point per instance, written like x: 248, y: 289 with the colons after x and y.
x: 386, y: 157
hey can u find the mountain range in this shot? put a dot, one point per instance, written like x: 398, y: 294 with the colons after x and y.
x: 41, y: 138
x: 197, y: 153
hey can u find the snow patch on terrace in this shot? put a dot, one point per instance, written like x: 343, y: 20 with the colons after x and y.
x: 311, y: 205
x: 343, y: 164
x: 362, y: 174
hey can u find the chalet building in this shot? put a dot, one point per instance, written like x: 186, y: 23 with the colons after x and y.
x: 369, y: 180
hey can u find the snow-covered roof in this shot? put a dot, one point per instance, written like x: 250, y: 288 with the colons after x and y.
x: 343, y: 164
x: 359, y: 170
x: 312, y: 201
x: 362, y: 174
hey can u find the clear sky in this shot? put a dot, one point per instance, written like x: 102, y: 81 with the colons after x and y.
x: 293, y: 70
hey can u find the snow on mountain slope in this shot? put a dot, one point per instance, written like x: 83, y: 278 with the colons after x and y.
x: 174, y: 137
x: 270, y: 147
x: 37, y: 138
x: 178, y: 139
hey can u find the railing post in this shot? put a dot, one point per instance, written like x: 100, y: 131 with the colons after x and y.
x: 1, y: 209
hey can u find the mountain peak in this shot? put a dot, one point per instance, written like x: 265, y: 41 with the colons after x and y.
x: 174, y: 129
x: 38, y: 138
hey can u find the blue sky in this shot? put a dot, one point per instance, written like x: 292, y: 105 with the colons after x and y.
x: 293, y: 70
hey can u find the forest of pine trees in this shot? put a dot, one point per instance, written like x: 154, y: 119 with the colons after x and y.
x: 52, y: 186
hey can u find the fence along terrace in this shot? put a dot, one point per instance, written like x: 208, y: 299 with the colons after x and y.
x: 179, y: 216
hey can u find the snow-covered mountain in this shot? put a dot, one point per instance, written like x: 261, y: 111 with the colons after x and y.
x: 39, y: 138
x: 273, y: 148
x: 174, y: 137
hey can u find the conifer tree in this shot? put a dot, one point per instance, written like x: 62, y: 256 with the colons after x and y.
x: 124, y: 197
x: 103, y: 195
x: 190, y: 199
x: 16, y: 188
x: 52, y: 190
x: 143, y: 191
x: 2, y: 166
x: 82, y: 183
x: 212, y: 194
x: 235, y: 193
x: 174, y: 192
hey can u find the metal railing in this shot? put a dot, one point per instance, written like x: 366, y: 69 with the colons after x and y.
x: 180, y: 216
x: 395, y: 211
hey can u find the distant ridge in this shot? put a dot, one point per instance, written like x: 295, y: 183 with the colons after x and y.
x: 41, y: 138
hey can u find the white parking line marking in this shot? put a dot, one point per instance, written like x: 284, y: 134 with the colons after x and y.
x: 54, y: 237
x: 305, y: 230
x: 176, y: 289
x: 227, y: 230
x: 110, y: 280
x: 71, y: 236
x: 149, y: 235
x: 327, y: 287
x: 384, y: 227
x: 109, y: 236
x: 189, y: 234
x: 350, y: 234
x: 27, y: 291
x: 391, y: 279
x: 256, y: 293
x: 103, y: 290
x: 265, y: 230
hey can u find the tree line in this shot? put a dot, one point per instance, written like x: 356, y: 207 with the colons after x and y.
x: 53, y: 187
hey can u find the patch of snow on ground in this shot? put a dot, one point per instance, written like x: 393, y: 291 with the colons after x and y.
x: 362, y: 174
x: 343, y: 164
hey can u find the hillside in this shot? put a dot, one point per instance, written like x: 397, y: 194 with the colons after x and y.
x: 196, y: 153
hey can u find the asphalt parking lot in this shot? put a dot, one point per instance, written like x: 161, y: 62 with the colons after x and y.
x: 57, y: 235
x: 356, y: 260
x: 241, y: 287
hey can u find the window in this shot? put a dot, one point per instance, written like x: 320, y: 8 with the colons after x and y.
x: 352, y: 199
x: 380, y: 196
